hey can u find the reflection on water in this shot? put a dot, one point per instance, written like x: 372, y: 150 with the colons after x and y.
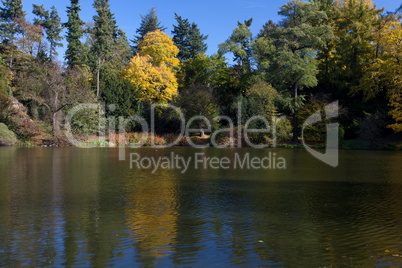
x: 72, y: 207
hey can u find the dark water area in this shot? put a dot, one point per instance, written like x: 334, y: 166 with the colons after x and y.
x: 84, y: 207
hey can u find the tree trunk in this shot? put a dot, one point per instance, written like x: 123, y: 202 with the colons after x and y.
x: 54, y: 128
x: 97, y: 79
x: 295, y: 114
x: 202, y: 133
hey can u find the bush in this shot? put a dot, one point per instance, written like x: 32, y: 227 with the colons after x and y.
x: 371, y: 128
x: 7, y: 137
x: 6, y: 109
x: 85, y: 122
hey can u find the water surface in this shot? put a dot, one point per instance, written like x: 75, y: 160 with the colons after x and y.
x: 83, y: 207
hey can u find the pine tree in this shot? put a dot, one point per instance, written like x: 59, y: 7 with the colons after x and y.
x: 11, y: 10
x: 188, y: 39
x: 149, y: 23
x: 196, y: 41
x: 51, y: 22
x: 74, y: 34
x: 105, y: 34
x: 53, y: 32
x: 180, y: 37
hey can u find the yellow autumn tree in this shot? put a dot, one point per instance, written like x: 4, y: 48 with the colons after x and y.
x: 385, y: 73
x: 153, y: 69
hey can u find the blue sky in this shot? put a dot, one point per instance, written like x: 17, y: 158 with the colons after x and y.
x: 217, y: 19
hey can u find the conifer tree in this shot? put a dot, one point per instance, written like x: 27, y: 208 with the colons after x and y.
x: 105, y: 33
x: 180, y: 37
x: 196, y: 41
x: 74, y: 34
x: 149, y: 23
x: 11, y: 10
x: 51, y: 22
x: 188, y: 39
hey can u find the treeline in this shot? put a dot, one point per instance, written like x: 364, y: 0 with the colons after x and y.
x: 321, y: 51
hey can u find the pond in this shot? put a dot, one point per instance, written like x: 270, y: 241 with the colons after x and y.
x: 84, y: 207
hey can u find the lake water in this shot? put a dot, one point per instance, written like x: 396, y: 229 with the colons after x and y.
x: 84, y: 207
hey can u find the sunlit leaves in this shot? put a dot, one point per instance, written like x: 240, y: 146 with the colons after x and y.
x: 152, y: 70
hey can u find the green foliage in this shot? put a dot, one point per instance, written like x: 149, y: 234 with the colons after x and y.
x: 292, y: 65
x: 4, y: 78
x: 7, y: 137
x: 6, y: 109
x: 85, y: 122
x: 188, y: 39
x: 11, y: 10
x: 149, y: 23
x: 74, y: 34
x: 370, y: 128
x: 119, y: 92
x: 51, y: 22
x: 240, y: 44
x: 198, y: 100
x: 316, y: 132
x: 105, y: 30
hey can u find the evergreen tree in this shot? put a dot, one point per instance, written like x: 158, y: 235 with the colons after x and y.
x: 149, y: 23
x: 10, y: 13
x: 104, y: 34
x: 180, y: 37
x: 74, y: 34
x: 51, y: 22
x: 188, y: 39
x: 53, y: 32
x: 11, y: 10
x: 196, y: 41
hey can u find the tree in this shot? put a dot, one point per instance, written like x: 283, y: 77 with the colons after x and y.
x: 180, y: 37
x: 188, y: 39
x: 155, y: 84
x: 10, y: 13
x: 354, y: 25
x: 152, y: 70
x: 384, y: 75
x: 30, y: 42
x: 198, y: 100
x: 149, y: 23
x: 45, y: 85
x: 160, y: 47
x: 74, y: 27
x: 294, y: 66
x: 240, y: 44
x: 196, y: 41
x: 51, y: 22
x: 105, y: 33
x: 11, y: 10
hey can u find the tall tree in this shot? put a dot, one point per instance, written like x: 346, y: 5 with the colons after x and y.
x: 152, y: 70
x: 51, y: 22
x: 294, y: 66
x: 180, y: 37
x: 188, y: 38
x: 240, y: 44
x: 149, y: 23
x: 105, y: 33
x: 11, y: 10
x: 196, y: 41
x: 10, y: 13
x: 74, y: 34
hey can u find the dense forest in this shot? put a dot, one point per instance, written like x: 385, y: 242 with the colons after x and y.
x: 320, y: 52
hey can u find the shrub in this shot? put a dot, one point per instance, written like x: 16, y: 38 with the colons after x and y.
x: 7, y: 137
